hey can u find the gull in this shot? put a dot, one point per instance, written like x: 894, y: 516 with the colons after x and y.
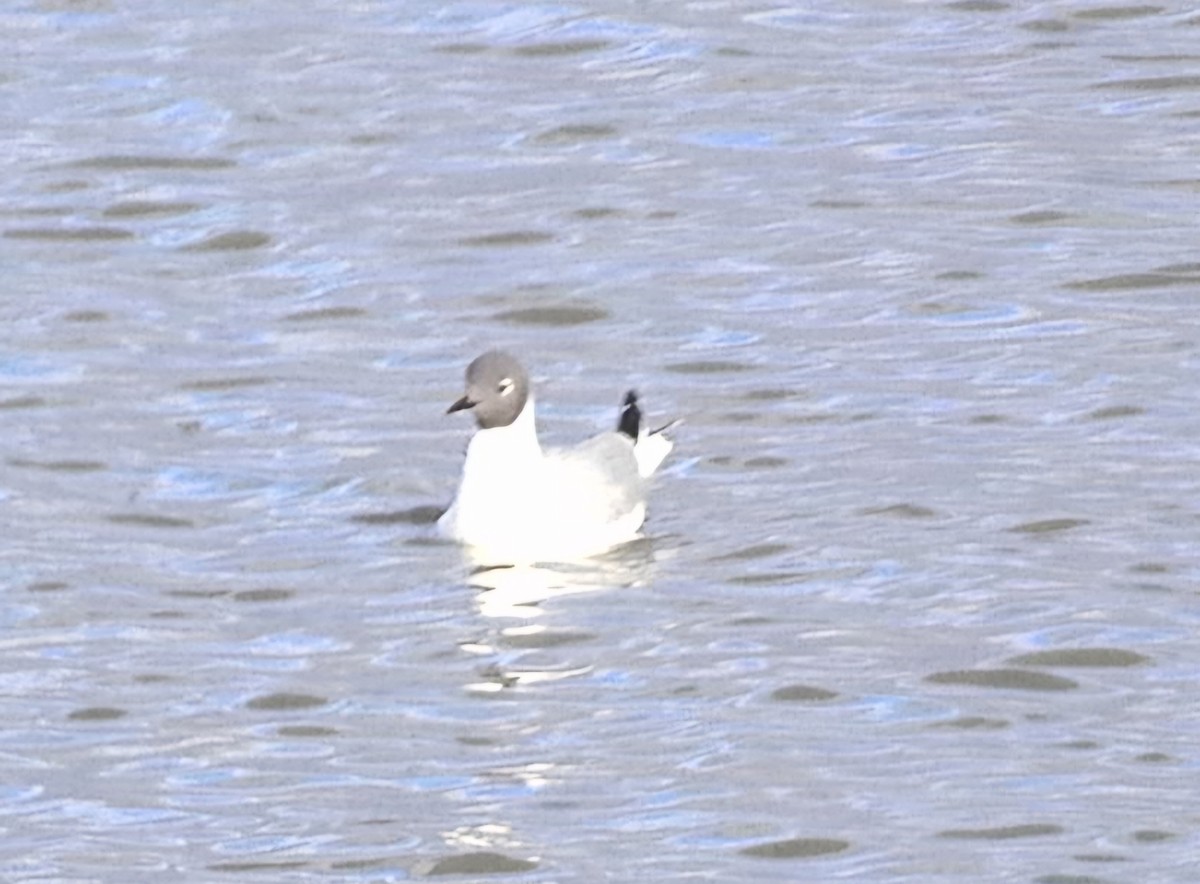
x: 518, y: 503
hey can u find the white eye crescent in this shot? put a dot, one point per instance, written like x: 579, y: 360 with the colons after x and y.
x: 506, y: 386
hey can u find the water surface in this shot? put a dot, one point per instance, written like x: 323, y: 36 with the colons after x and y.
x: 918, y: 601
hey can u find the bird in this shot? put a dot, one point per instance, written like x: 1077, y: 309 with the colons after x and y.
x: 518, y: 503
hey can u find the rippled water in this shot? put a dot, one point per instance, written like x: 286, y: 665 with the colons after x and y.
x: 919, y: 598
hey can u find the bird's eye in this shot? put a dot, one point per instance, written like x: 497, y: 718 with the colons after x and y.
x: 505, y: 386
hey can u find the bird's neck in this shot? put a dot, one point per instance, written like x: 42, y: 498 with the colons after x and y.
x: 503, y: 447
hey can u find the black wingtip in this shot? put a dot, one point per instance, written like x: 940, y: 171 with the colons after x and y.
x: 631, y: 416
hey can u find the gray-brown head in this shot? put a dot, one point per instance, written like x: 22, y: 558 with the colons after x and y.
x: 497, y: 390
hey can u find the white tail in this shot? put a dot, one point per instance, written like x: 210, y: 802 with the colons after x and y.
x: 651, y: 449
